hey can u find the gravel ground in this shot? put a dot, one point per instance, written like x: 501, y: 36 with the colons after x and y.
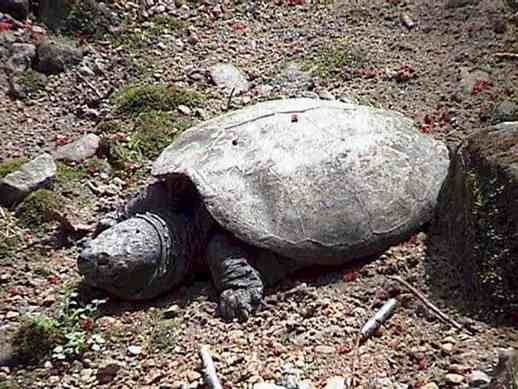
x: 311, y: 320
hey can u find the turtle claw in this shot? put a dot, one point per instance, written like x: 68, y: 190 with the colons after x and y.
x: 239, y: 303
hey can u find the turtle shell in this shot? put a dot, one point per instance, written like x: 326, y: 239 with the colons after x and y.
x: 318, y: 181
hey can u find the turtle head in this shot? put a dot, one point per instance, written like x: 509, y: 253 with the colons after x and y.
x: 134, y: 259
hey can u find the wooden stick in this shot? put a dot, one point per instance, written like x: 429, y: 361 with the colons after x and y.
x: 209, y: 371
x: 90, y: 85
x: 229, y: 101
x: 441, y: 315
x: 507, y: 55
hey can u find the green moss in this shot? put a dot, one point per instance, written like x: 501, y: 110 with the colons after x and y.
x: 332, y: 63
x: 37, y: 208
x: 10, y: 166
x: 35, y: 339
x: 156, y: 130
x: 67, y: 173
x: 136, y: 99
x: 151, y: 133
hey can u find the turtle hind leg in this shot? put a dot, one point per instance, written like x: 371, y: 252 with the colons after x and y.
x: 238, y: 283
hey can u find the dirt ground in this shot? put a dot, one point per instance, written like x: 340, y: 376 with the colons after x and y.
x: 358, y: 49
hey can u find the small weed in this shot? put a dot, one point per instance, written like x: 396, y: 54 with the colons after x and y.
x: 63, y: 338
x: 163, y: 336
x: 10, y: 166
x: 134, y: 100
x: 37, y: 208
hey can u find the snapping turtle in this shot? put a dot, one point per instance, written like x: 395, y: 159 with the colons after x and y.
x: 256, y: 194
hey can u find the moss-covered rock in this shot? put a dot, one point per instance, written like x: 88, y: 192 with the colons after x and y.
x: 27, y: 84
x: 336, y: 63
x: 35, y: 339
x: 136, y: 99
x: 477, y: 218
x: 37, y: 208
x: 10, y: 166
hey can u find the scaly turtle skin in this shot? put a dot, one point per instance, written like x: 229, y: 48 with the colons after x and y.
x: 258, y: 193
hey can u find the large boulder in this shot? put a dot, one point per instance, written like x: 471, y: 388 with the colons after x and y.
x: 56, y: 56
x: 36, y: 174
x: 477, y: 217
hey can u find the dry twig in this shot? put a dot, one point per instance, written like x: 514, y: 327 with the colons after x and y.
x: 229, y: 101
x: 441, y: 315
x: 90, y: 85
x: 209, y: 371
x: 507, y: 55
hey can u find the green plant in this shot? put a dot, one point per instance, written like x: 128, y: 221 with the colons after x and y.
x: 77, y: 321
x: 65, y: 337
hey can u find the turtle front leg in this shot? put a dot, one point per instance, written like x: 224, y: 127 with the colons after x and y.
x: 239, y: 285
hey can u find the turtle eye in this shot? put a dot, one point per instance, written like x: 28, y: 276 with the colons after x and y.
x: 234, y: 142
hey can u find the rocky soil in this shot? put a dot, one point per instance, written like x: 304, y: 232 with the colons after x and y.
x: 444, y: 63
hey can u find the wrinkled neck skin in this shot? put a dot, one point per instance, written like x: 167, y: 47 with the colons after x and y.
x: 189, y: 230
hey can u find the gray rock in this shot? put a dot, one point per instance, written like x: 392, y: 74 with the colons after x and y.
x: 475, y: 217
x: 478, y: 378
x: 79, y: 150
x: 134, y: 350
x: 228, y: 76
x: 108, y: 371
x: 460, y: 3
x: 7, y: 39
x: 335, y: 383
x: 171, y: 312
x: 26, y: 84
x: 22, y: 55
x: 471, y: 78
x: 264, y: 385
x: 294, y: 73
x: 506, y: 111
x: 18, y: 9
x: 505, y: 374
x: 454, y: 378
x: 56, y: 56
x: 36, y: 174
